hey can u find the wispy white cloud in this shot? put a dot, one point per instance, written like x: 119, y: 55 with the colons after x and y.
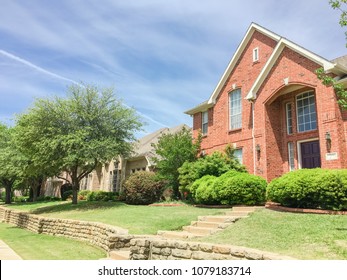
x: 35, y: 67
x: 163, y: 57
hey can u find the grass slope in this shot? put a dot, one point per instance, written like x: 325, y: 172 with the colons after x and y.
x: 303, y: 236
x: 32, y: 246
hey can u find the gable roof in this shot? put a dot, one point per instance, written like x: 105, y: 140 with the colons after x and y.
x: 336, y: 67
x: 144, y: 148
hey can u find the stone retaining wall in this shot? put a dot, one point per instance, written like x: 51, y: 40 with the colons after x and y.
x: 104, y: 236
x: 156, y: 249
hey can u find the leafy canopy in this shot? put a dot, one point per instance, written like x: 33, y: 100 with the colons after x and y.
x: 76, y: 133
x: 173, y: 149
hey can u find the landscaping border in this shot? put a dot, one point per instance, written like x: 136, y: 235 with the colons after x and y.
x: 277, y: 207
x: 101, y: 235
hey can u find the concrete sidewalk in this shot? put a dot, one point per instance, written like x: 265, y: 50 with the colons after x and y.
x: 6, y: 253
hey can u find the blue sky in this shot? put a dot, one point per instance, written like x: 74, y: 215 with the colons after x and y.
x: 162, y: 57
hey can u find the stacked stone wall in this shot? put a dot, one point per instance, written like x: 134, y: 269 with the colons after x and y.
x: 104, y: 236
x: 156, y: 249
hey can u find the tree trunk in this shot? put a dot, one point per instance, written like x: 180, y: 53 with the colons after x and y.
x: 8, y: 194
x: 75, y: 187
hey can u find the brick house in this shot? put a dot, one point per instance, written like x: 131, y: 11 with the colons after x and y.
x: 271, y: 107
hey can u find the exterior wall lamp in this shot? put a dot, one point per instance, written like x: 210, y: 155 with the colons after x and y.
x: 328, y: 140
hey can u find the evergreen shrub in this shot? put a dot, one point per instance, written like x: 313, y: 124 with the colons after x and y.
x: 311, y: 188
x: 143, y: 188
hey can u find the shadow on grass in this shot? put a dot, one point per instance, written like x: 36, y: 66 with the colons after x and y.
x: 80, y: 206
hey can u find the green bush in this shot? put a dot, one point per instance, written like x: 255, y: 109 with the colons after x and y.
x: 66, y: 195
x: 48, y: 198
x: 202, y: 190
x: 20, y: 198
x: 215, y: 164
x: 311, y: 188
x: 242, y: 188
x: 143, y: 188
x: 101, y: 196
x: 232, y: 188
x: 82, y: 195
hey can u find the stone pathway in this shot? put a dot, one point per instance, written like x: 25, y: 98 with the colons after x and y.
x: 206, y: 225
x: 6, y: 253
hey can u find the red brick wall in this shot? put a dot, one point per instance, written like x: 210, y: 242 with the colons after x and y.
x: 269, y: 119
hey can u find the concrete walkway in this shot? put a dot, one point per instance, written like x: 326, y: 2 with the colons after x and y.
x: 6, y: 253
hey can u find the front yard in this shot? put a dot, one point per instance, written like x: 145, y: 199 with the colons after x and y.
x: 302, y: 236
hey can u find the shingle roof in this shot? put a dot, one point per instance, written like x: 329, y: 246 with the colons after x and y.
x: 144, y: 148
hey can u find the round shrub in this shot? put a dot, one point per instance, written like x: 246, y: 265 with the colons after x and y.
x: 66, y: 195
x: 203, y: 191
x: 241, y: 188
x: 82, y: 195
x: 100, y: 196
x: 143, y: 188
x: 311, y: 188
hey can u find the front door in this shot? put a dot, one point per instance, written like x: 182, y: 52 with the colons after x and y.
x: 310, y: 154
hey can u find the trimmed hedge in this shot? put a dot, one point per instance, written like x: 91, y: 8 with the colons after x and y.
x: 232, y: 188
x: 143, y: 188
x: 311, y: 188
x: 101, y: 196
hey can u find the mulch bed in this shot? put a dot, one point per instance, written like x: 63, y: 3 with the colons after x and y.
x: 278, y: 207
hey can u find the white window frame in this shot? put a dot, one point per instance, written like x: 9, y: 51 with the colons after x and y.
x: 256, y: 54
x: 204, y: 122
x: 235, y: 110
x: 291, y: 156
x: 289, y: 119
x: 298, y: 98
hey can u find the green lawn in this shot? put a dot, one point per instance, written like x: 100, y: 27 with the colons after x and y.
x: 137, y: 219
x: 302, y: 236
x: 32, y: 246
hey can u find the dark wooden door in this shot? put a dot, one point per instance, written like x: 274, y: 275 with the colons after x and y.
x: 310, y: 154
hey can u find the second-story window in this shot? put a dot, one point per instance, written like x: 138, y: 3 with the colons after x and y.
x: 235, y: 108
x: 204, y: 127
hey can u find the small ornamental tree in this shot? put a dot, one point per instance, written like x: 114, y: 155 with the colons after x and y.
x: 172, y: 150
x: 76, y: 133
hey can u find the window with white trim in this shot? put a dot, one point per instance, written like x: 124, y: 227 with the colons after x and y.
x: 235, y: 108
x: 204, y: 127
x: 291, y: 162
x: 289, y: 118
x: 306, y: 112
x: 238, y: 155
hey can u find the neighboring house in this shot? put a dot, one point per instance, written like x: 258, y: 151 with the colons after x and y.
x: 110, y: 176
x: 271, y: 107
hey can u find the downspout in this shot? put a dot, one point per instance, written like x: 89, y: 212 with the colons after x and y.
x: 253, y: 138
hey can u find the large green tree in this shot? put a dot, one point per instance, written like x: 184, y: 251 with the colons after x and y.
x: 75, y: 134
x: 173, y: 149
x: 10, y: 161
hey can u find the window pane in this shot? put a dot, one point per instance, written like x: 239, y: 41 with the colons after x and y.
x: 235, y: 109
x: 238, y: 155
x: 306, y: 112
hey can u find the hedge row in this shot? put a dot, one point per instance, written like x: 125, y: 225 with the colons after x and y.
x: 311, y: 188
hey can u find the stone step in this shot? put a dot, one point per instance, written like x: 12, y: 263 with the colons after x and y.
x: 122, y: 254
x: 177, y: 234
x: 200, y: 230
x: 218, y: 219
x: 246, y: 208
x: 205, y: 224
x: 238, y: 213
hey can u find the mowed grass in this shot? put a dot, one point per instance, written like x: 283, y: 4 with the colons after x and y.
x: 32, y: 246
x: 302, y: 236
x: 137, y: 219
